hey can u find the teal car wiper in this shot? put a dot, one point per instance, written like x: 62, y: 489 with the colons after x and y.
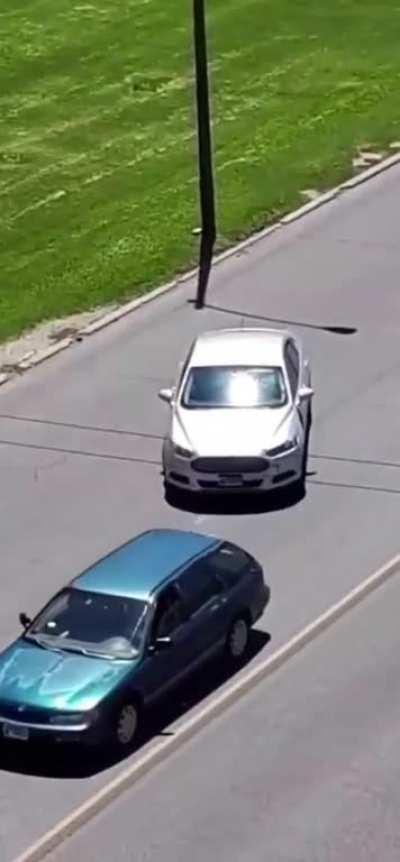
x: 42, y: 643
x: 85, y: 651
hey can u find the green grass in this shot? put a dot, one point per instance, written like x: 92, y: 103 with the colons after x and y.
x: 98, y: 183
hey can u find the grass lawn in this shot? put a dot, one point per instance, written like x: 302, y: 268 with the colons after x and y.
x: 98, y: 182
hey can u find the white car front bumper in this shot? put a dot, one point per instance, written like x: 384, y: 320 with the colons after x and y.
x: 234, y: 473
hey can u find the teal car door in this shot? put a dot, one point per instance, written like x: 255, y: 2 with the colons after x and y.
x: 206, y: 605
x: 165, y: 664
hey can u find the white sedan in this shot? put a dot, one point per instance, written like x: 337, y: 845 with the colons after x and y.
x: 240, y: 413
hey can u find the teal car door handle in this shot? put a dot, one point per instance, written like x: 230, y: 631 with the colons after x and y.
x: 217, y: 605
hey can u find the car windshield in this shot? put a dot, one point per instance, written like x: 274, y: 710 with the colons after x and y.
x: 91, y: 623
x: 239, y: 386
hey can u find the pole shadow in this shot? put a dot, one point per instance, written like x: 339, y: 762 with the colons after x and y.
x: 333, y: 330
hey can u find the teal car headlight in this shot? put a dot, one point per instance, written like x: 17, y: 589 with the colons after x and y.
x: 71, y: 719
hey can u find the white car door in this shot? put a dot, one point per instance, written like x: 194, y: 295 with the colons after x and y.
x: 295, y: 370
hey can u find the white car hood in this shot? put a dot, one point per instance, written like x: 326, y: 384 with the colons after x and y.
x: 233, y: 431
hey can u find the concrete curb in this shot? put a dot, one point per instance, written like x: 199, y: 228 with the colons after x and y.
x: 125, y: 309
x: 240, y: 248
x: 158, y: 753
x: 311, y: 206
x: 369, y: 173
x: 42, y: 355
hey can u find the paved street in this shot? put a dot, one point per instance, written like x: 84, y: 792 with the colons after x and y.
x: 80, y: 466
x: 305, y: 769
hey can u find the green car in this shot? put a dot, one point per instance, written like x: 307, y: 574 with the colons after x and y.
x: 123, y: 633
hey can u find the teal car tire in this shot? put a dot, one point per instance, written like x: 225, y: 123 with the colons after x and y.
x: 125, y: 725
x: 237, y: 639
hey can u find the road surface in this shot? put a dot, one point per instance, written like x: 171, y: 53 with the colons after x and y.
x: 80, y: 451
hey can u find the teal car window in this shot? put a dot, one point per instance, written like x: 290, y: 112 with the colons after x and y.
x: 169, y: 612
x: 92, y: 622
x: 229, y: 563
x: 198, y: 585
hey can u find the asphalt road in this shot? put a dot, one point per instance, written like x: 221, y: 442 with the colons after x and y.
x: 305, y: 769
x: 74, y: 486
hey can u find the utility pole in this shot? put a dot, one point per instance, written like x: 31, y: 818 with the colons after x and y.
x: 206, y: 182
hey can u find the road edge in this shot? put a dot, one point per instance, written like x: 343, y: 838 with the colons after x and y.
x: 134, y: 304
x: 69, y: 825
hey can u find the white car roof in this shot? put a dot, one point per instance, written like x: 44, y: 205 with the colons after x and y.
x: 262, y: 347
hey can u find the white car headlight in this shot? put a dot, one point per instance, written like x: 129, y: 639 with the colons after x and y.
x: 285, y: 447
x: 182, y: 451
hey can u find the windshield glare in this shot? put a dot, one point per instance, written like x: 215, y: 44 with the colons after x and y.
x: 92, y: 622
x: 234, y: 387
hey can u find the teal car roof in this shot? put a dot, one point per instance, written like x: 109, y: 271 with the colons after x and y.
x: 137, y: 568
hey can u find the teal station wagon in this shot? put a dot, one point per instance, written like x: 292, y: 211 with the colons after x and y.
x: 126, y: 631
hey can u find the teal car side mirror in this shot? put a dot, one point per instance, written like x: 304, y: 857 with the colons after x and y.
x: 24, y: 620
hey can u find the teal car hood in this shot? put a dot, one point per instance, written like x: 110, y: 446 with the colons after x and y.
x: 47, y: 679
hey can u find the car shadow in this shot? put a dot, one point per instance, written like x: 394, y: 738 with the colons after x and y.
x: 234, y: 503
x: 69, y: 762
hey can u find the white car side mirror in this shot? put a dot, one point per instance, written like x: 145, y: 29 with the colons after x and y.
x: 166, y: 395
x: 304, y: 393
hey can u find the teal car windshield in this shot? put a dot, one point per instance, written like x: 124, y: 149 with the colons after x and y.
x: 92, y: 624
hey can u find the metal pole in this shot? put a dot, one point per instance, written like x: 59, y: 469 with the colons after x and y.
x: 206, y: 182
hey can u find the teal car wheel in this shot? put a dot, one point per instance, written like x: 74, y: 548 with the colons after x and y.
x: 125, y: 725
x: 237, y: 640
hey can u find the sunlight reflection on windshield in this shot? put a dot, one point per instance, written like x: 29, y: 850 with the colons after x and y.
x: 243, y: 390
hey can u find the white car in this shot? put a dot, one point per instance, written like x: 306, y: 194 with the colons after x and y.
x: 240, y: 413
